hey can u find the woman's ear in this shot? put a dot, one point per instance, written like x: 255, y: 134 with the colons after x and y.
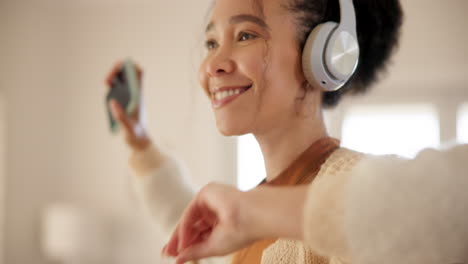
x: 308, y: 99
x: 308, y: 87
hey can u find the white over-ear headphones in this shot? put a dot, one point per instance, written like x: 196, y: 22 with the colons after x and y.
x: 331, y: 52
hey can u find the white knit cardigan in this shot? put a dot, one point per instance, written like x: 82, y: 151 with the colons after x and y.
x: 359, y: 209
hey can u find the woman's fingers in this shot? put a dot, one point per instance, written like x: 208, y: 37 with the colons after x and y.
x: 196, y: 223
x: 116, y: 69
x: 187, y: 231
x: 171, y: 247
x: 194, y: 228
x: 121, y: 117
x: 113, y: 72
x: 198, y: 233
x: 206, y: 227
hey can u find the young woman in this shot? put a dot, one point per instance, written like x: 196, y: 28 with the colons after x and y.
x: 395, y: 211
x: 254, y: 77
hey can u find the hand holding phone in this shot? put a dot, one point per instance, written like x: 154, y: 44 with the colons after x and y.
x: 123, y: 103
x: 125, y: 90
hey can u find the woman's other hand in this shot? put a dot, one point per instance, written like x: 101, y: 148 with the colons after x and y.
x: 221, y: 220
x: 132, y: 126
x: 211, y: 225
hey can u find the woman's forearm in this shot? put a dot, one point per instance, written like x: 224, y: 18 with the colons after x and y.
x: 272, y: 212
x: 145, y: 161
x: 162, y: 185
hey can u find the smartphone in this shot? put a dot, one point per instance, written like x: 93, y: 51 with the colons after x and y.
x: 124, y: 88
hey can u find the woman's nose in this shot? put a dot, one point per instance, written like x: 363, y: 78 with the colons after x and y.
x: 220, y: 63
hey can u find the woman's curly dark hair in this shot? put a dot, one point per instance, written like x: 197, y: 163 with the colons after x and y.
x: 378, y: 25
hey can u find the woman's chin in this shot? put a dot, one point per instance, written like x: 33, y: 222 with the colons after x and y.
x: 228, y: 130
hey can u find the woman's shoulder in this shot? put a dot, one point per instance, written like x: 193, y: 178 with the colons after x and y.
x: 345, y: 159
x: 291, y: 251
x: 341, y: 160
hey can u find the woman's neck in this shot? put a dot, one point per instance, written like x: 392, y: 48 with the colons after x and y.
x: 282, y: 145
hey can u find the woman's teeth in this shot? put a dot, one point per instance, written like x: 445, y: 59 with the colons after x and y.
x: 224, y: 94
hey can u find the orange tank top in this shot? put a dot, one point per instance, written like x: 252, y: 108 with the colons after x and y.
x: 302, y: 171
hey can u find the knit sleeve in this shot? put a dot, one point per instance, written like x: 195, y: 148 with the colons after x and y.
x: 409, y: 211
x: 162, y: 186
x: 324, y: 207
x: 391, y: 210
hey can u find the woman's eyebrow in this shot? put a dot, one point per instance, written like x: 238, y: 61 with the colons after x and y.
x: 249, y: 18
x: 240, y: 19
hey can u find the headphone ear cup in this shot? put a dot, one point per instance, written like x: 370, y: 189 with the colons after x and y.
x: 342, y: 55
x: 314, y: 61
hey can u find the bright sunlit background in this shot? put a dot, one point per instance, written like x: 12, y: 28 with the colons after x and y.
x: 395, y: 129
x: 250, y: 164
x: 462, y: 124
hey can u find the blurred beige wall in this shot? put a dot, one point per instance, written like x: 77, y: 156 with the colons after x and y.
x: 2, y: 172
x: 433, y: 55
x: 3, y: 26
x: 55, y: 55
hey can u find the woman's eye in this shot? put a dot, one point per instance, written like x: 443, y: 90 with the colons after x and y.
x: 210, y: 44
x: 243, y: 36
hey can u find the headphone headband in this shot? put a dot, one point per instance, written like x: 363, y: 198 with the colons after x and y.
x: 347, y: 16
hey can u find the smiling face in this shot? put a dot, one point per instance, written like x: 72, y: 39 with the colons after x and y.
x: 252, y: 71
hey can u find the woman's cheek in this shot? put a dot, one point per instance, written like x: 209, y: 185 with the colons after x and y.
x: 203, y: 78
x: 254, y: 66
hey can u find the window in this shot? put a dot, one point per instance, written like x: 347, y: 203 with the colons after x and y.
x: 392, y: 129
x: 462, y: 124
x: 250, y: 165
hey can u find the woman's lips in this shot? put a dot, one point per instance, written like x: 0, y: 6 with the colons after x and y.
x: 226, y: 95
